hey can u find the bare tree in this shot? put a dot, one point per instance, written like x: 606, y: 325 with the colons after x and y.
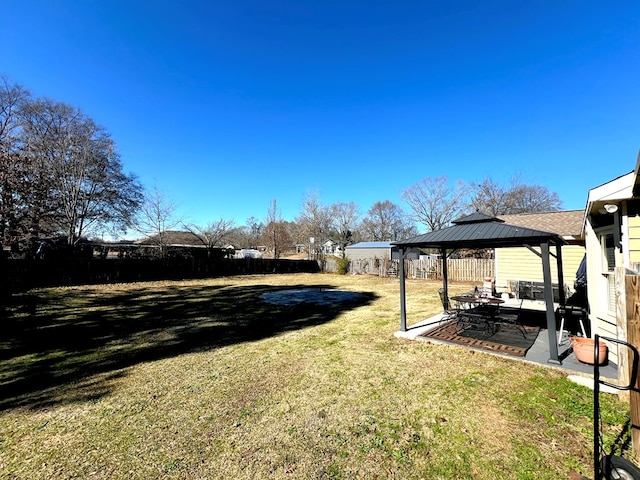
x: 214, y: 234
x: 157, y: 216
x: 494, y: 199
x: 13, y: 175
x: 12, y: 98
x: 386, y: 221
x: 254, y: 229
x: 314, y: 222
x: 60, y: 172
x: 490, y: 198
x: 275, y: 235
x: 435, y: 203
x: 345, y: 218
x: 533, y: 198
x: 75, y: 163
x: 247, y: 235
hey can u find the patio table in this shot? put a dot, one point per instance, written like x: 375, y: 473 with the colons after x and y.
x: 478, y: 311
x: 473, y: 301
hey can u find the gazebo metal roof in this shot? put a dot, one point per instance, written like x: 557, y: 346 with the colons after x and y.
x: 483, y: 231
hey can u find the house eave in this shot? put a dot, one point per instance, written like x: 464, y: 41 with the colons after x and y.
x: 615, y: 191
x: 620, y: 188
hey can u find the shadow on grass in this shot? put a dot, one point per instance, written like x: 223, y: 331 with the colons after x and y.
x: 79, y: 341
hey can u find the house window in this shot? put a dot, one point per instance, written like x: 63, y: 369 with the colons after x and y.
x: 608, y: 268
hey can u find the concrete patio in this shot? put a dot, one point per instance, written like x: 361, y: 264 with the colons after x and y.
x: 539, y: 352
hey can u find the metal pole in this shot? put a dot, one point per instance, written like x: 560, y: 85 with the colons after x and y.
x: 443, y: 253
x: 596, y: 409
x: 548, y: 298
x: 563, y: 299
x: 403, y: 297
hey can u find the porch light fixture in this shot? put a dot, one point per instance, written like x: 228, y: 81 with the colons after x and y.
x: 609, y: 208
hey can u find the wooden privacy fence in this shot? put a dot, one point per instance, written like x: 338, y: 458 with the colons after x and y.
x: 459, y: 269
x: 21, y: 275
x: 628, y: 326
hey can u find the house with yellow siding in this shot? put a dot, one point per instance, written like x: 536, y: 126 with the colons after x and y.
x: 611, y: 229
x: 634, y: 238
x: 518, y: 269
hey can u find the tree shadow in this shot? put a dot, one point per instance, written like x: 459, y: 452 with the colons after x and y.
x: 623, y: 441
x: 58, y: 349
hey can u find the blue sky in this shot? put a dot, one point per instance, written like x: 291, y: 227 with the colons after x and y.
x: 228, y: 105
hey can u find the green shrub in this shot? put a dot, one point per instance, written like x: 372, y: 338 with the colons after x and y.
x: 342, y: 265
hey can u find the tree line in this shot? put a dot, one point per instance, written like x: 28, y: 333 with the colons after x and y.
x: 61, y: 177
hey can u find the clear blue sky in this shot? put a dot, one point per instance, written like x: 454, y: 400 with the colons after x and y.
x: 226, y: 105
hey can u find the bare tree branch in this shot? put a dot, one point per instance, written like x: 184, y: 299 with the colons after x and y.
x: 494, y: 199
x: 434, y: 202
x: 275, y: 235
x: 314, y: 222
x: 157, y: 216
x: 345, y: 219
x: 214, y: 234
x: 386, y: 221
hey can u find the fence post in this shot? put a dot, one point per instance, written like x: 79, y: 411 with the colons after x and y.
x: 632, y: 294
x: 621, y: 328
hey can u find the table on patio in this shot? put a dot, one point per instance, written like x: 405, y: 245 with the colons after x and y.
x: 475, y: 311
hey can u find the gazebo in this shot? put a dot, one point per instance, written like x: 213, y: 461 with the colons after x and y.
x: 483, y: 231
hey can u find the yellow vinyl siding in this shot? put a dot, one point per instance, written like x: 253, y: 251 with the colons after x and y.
x: 520, y: 263
x: 634, y: 239
x: 634, y: 257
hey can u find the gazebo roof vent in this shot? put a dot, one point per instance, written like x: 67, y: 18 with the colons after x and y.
x: 476, y: 217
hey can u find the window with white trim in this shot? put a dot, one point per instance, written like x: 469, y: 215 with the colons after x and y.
x: 608, y: 268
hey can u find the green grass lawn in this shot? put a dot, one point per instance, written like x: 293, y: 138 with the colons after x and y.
x: 205, y: 380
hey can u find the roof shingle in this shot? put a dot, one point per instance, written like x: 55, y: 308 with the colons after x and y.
x: 565, y: 223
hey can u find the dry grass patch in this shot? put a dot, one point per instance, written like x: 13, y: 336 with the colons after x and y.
x: 202, y: 379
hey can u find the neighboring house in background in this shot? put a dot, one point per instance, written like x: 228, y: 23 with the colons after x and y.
x: 178, y: 240
x: 517, y: 269
x: 611, y: 230
x: 331, y: 247
x: 174, y: 238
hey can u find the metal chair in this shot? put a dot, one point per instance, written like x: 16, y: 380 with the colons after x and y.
x: 474, y: 319
x: 511, y: 319
x: 448, y: 312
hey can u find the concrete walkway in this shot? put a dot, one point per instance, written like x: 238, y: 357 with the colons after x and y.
x: 539, y: 353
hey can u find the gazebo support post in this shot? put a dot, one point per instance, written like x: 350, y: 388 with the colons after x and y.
x: 403, y: 296
x: 563, y: 297
x: 548, y: 298
x: 445, y: 281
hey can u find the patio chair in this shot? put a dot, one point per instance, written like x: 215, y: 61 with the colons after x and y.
x: 511, y: 319
x: 449, y: 312
x: 474, y: 319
